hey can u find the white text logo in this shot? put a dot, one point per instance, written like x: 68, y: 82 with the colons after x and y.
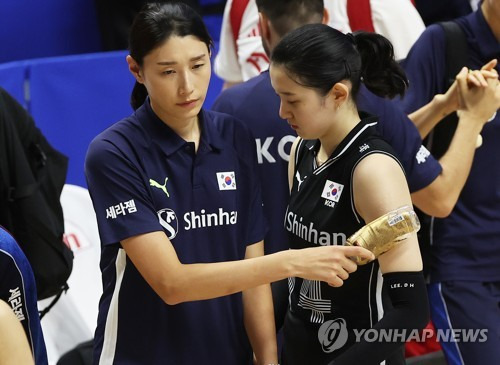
x: 422, y: 154
x: 121, y: 209
x: 263, y: 154
x: 202, y: 220
x: 309, y: 233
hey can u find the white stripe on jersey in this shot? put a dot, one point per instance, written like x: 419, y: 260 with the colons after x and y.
x: 110, y: 332
x: 332, y: 160
x: 378, y: 295
x: 297, y: 149
x: 378, y: 298
x: 370, y: 296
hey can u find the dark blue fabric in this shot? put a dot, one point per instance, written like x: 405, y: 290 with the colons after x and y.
x: 205, y: 222
x: 466, y: 245
x: 467, y: 306
x: 45, y: 29
x: 18, y: 289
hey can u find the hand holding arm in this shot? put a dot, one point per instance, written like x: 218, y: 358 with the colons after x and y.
x: 175, y: 282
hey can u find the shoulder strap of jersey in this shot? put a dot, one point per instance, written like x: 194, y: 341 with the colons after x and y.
x: 299, y: 152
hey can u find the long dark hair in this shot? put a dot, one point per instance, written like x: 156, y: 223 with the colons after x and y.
x: 153, y: 25
x: 318, y: 56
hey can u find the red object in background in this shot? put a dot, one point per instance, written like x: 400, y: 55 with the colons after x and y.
x: 414, y: 348
x: 360, y: 15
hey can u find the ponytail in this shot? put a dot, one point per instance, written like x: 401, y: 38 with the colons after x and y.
x: 139, y: 95
x: 381, y: 74
x: 318, y: 56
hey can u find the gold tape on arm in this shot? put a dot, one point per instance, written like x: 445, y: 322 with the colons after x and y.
x: 385, y: 232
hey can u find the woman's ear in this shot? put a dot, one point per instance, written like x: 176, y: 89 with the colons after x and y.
x: 134, y: 69
x: 326, y: 16
x: 339, y: 93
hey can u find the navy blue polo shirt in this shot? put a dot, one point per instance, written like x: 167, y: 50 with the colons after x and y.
x: 143, y: 177
x: 255, y: 102
x: 18, y: 290
x: 466, y: 245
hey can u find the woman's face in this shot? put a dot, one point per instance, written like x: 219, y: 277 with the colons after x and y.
x: 177, y: 75
x: 308, y: 113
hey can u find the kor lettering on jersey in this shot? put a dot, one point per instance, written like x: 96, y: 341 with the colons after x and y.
x: 193, y: 220
x: 309, y: 233
x: 268, y: 152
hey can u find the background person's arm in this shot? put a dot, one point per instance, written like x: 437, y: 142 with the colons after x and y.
x: 478, y: 105
x: 441, y: 105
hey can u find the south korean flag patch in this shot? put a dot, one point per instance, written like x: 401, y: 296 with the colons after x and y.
x: 226, y: 180
x: 332, y: 191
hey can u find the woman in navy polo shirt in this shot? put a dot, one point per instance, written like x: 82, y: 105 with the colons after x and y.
x: 179, y: 208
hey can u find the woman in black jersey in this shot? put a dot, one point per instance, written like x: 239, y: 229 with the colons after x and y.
x: 343, y: 176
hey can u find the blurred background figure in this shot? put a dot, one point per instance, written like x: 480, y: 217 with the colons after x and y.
x: 465, y: 272
x: 443, y: 10
x: 115, y: 19
x: 241, y: 55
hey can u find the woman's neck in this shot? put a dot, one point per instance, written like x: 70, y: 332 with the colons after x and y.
x: 187, y: 129
x: 344, y: 123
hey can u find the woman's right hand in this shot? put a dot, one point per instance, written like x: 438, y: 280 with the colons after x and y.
x: 331, y: 264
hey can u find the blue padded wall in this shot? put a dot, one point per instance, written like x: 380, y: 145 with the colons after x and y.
x: 74, y: 98
x: 12, y: 77
x: 32, y: 29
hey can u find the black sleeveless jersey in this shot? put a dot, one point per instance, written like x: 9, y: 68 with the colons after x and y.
x: 321, y: 212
